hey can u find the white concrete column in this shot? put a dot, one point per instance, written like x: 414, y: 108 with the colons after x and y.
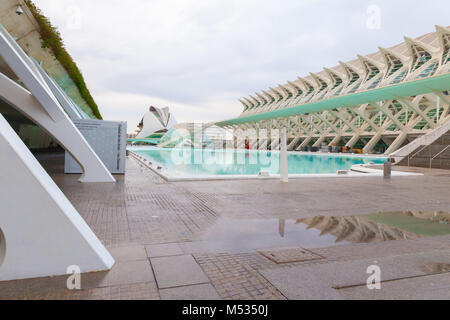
x: 284, y: 174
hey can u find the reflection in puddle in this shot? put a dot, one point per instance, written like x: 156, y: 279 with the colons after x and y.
x: 434, y: 216
x: 422, y: 223
x: 356, y: 229
x: 235, y: 235
x: 242, y: 235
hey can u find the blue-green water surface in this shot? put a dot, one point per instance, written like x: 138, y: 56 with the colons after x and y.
x: 196, y: 162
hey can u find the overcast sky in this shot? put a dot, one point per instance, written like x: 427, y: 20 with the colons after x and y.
x: 199, y: 56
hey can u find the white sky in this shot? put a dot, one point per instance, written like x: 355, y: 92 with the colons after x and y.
x: 199, y: 56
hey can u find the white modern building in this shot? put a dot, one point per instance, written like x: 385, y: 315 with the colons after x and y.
x: 196, y: 135
x: 155, y: 123
x: 379, y: 102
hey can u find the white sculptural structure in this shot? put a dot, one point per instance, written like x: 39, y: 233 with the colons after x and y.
x: 41, y: 233
x: 40, y: 105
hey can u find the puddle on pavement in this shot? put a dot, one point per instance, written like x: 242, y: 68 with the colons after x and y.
x: 423, y: 223
x: 246, y: 235
x: 435, y: 267
x: 236, y: 235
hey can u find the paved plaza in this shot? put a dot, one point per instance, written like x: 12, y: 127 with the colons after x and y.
x: 171, y: 240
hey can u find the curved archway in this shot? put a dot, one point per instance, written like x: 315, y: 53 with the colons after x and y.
x: 2, y: 247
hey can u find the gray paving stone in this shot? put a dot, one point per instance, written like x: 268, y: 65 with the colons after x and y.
x: 128, y: 273
x: 319, y: 281
x: 435, y: 287
x: 163, y: 250
x: 132, y: 253
x: 177, y: 271
x: 141, y: 209
x: 196, y: 292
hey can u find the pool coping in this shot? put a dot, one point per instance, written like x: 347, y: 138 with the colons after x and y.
x: 356, y: 171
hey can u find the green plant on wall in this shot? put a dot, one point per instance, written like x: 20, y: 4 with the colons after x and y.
x: 51, y: 39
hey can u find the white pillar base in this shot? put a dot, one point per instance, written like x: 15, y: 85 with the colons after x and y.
x: 43, y: 233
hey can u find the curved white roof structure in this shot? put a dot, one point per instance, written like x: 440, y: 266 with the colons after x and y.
x: 156, y: 120
x: 380, y: 102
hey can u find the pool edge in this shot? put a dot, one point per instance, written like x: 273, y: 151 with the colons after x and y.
x: 356, y: 171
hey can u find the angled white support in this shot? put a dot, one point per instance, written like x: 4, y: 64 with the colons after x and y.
x: 325, y: 133
x: 40, y: 105
x: 335, y: 140
x: 309, y: 135
x: 342, y: 115
x: 384, y: 109
x: 377, y: 137
x: 42, y: 232
x: 414, y: 106
x: 351, y: 143
x: 305, y: 142
x: 28, y: 73
x: 397, y: 143
x: 63, y: 131
x: 293, y: 143
x: 72, y: 111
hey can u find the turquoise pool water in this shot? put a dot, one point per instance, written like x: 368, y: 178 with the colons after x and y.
x: 195, y: 162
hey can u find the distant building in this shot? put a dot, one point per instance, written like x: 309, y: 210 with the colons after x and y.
x: 155, y: 123
x: 196, y: 135
x: 131, y: 135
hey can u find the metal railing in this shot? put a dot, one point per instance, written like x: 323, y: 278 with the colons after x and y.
x: 437, y: 155
x: 415, y: 154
